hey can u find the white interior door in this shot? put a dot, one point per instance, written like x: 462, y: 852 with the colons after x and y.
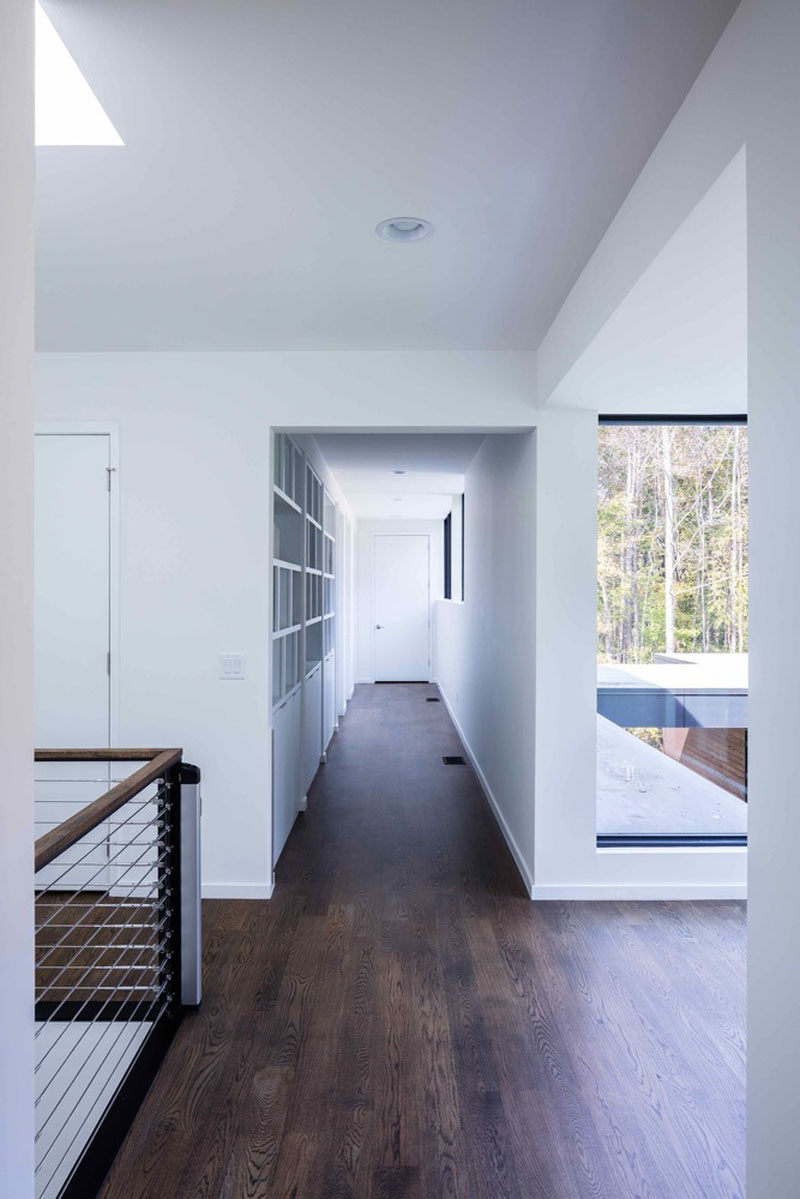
x: 401, y: 607
x: 72, y: 605
x: 72, y: 557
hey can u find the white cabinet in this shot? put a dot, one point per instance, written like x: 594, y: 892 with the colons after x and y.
x: 312, y: 727
x: 303, y: 630
x: 328, y: 701
x: 286, y: 790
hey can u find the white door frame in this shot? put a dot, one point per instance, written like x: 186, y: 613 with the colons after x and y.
x: 427, y: 537
x: 111, y: 431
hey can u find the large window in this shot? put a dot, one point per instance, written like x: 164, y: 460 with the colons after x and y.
x: 672, y: 632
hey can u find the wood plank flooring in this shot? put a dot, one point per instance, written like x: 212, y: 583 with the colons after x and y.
x: 400, y: 1020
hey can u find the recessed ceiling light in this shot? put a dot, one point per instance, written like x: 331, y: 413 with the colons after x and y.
x: 404, y: 228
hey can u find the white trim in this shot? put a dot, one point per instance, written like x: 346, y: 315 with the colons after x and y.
x: 642, y: 891
x: 508, y: 836
x: 238, y: 890
x: 109, y: 429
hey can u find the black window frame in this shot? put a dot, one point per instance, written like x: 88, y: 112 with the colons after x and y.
x: 671, y: 840
x: 463, y: 546
x: 448, y: 556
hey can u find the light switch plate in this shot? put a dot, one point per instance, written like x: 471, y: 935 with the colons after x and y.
x: 231, y: 666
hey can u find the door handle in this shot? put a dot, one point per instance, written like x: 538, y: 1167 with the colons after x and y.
x: 378, y: 626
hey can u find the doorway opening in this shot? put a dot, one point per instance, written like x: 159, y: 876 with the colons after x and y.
x: 367, y: 538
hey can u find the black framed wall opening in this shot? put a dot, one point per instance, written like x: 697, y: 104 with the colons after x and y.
x: 672, y: 603
x: 463, y: 547
x: 448, y: 556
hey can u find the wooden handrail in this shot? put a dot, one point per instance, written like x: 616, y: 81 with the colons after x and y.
x: 157, y: 761
x: 98, y: 755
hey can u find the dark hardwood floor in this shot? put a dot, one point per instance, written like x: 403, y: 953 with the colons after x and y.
x: 400, y: 1020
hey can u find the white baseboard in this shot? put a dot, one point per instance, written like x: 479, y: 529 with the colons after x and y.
x: 238, y: 890
x: 644, y: 891
x: 516, y: 853
x: 364, y: 681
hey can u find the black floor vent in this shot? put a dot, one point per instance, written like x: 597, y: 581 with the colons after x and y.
x: 453, y: 760
x: 433, y: 699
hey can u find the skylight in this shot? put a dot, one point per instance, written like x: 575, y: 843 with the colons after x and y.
x: 68, y: 112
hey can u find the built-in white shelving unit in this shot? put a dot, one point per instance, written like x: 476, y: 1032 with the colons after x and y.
x: 313, y: 619
x: 287, y: 567
x: 303, y: 630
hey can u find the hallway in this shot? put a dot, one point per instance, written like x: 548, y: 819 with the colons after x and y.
x: 401, y: 1020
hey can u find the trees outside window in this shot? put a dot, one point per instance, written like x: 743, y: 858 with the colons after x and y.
x: 672, y: 540
x: 672, y: 595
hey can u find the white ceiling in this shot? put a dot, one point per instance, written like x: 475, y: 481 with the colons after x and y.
x: 678, y: 341
x: 364, y: 465
x: 264, y: 140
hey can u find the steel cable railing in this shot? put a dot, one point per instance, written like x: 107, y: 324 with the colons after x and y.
x: 112, y: 916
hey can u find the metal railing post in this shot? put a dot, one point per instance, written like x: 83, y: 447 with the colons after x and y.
x: 169, y: 885
x: 191, y: 948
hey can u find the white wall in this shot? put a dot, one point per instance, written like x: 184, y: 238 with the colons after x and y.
x: 771, y: 41
x: 343, y: 591
x: 365, y: 617
x: 484, y: 653
x: 568, y: 863
x: 194, y: 564
x: 194, y: 583
x: 748, y: 94
x: 517, y: 664
x: 350, y: 631
x: 16, y: 596
x: 678, y: 341
x: 194, y: 435
x: 702, y: 140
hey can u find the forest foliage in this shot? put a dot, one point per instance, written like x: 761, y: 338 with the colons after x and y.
x: 672, y: 540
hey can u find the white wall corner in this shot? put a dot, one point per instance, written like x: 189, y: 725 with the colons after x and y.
x: 516, y: 852
x: 16, y: 601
